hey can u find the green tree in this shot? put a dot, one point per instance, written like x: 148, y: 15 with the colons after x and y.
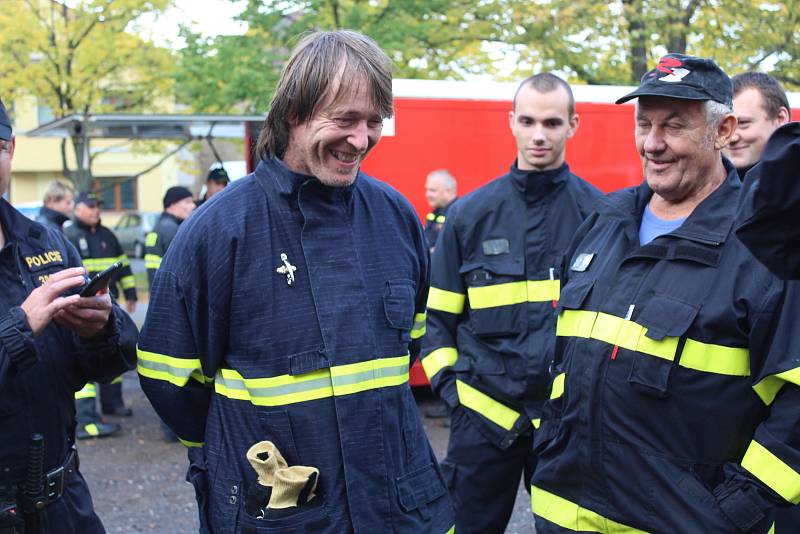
x: 80, y: 58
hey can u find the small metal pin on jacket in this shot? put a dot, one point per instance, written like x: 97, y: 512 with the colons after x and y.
x: 287, y: 268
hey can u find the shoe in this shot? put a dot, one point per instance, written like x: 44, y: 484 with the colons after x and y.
x: 438, y: 412
x: 97, y: 430
x: 119, y: 411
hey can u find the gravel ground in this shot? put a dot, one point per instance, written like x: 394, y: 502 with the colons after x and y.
x: 137, y: 479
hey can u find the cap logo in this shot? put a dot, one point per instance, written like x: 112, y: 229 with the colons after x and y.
x: 673, y: 68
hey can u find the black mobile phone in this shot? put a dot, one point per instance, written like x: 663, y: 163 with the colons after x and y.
x: 99, y: 280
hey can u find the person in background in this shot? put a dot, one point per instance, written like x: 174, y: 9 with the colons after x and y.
x: 440, y: 192
x: 99, y: 249
x: 761, y: 107
x: 178, y: 205
x: 216, y: 181
x: 57, y: 205
x: 491, y: 322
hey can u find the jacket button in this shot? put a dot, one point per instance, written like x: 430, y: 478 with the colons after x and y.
x: 234, y: 490
x: 232, y: 499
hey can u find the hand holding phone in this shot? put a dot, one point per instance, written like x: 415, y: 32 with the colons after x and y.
x: 100, y: 280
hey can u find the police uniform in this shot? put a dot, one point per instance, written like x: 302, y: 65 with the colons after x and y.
x: 281, y: 314
x: 433, y: 224
x: 52, y: 218
x: 99, y: 250
x: 38, y: 377
x: 491, y: 318
x: 675, y: 401
x: 157, y: 242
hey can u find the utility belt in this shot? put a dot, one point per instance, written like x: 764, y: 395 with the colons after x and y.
x: 35, y: 494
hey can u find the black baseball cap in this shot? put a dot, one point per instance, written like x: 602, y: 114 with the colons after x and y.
x: 218, y: 175
x: 88, y: 198
x: 687, y: 78
x: 176, y: 194
x: 5, y: 123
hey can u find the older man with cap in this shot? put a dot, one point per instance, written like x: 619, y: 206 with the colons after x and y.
x: 178, y: 205
x: 285, y: 316
x: 51, y: 343
x: 668, y: 410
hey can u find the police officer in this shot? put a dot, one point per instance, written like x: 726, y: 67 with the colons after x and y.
x: 178, y: 205
x: 57, y: 205
x: 440, y: 192
x: 494, y: 284
x: 760, y: 106
x: 674, y: 402
x: 99, y: 249
x: 50, y: 345
x: 280, y: 318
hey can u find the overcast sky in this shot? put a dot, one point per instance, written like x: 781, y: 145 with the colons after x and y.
x: 210, y: 17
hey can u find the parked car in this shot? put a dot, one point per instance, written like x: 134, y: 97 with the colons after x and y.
x: 132, y: 229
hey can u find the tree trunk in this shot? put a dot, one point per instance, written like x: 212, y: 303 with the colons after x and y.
x: 632, y: 10
x: 82, y: 175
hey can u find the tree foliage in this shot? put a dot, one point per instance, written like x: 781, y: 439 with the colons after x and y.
x: 79, y: 58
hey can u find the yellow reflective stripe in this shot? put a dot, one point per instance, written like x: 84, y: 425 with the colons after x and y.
x: 475, y: 400
x: 123, y: 259
x: 151, y: 239
x: 513, y: 293
x: 92, y: 429
x: 570, y: 516
x: 98, y: 264
x: 769, y: 387
x: 117, y: 380
x: 438, y: 360
x: 418, y: 328
x: 176, y: 371
x: 191, y: 443
x: 536, y: 422
x: 336, y: 381
x: 715, y: 358
x: 431, y: 216
x: 452, y: 530
x: 440, y: 219
x: 446, y: 301
x: 558, y: 386
x: 128, y: 282
x: 152, y: 261
x: 696, y: 355
x: 88, y: 391
x: 772, y: 471
x: 771, y: 529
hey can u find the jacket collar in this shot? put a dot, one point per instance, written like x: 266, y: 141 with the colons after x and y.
x: 165, y: 215
x: 288, y: 182
x: 536, y: 183
x: 53, y: 215
x: 83, y: 226
x: 709, y: 223
x: 17, y: 227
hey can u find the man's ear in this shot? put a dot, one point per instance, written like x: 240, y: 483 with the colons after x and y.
x: 574, y: 122
x: 725, y: 130
x: 784, y: 116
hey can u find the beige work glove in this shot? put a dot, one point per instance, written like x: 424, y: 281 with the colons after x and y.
x: 293, y: 486
x: 266, y: 459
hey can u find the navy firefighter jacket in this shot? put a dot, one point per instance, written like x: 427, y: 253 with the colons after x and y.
x: 39, y: 376
x: 675, y: 402
x: 494, y: 286
x: 289, y: 311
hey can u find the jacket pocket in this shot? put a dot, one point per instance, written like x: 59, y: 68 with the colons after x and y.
x: 311, y: 517
x: 665, y: 321
x: 497, y: 292
x: 398, y: 306
x: 419, y: 488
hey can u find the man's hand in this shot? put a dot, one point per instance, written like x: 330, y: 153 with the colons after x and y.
x: 87, y: 316
x: 46, y: 301
x: 130, y: 305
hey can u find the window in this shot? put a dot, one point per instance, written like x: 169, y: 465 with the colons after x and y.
x: 117, y: 194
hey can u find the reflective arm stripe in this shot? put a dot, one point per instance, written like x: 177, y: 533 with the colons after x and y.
x: 513, y: 293
x: 438, y: 360
x: 191, y: 443
x: 323, y: 383
x: 570, y: 516
x: 128, y: 282
x: 536, y: 422
x: 772, y: 471
x: 176, y: 371
x: 418, y: 328
x: 152, y: 261
x: 88, y: 391
x: 446, y: 301
x: 696, y: 355
x: 499, y: 414
x: 123, y: 258
x: 151, y: 239
x: 98, y: 264
x: 558, y: 386
x: 769, y: 387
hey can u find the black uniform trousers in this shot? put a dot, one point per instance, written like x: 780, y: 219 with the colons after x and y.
x: 484, y: 479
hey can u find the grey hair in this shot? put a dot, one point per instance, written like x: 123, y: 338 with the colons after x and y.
x: 715, y: 112
x: 446, y: 177
x: 56, y: 191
